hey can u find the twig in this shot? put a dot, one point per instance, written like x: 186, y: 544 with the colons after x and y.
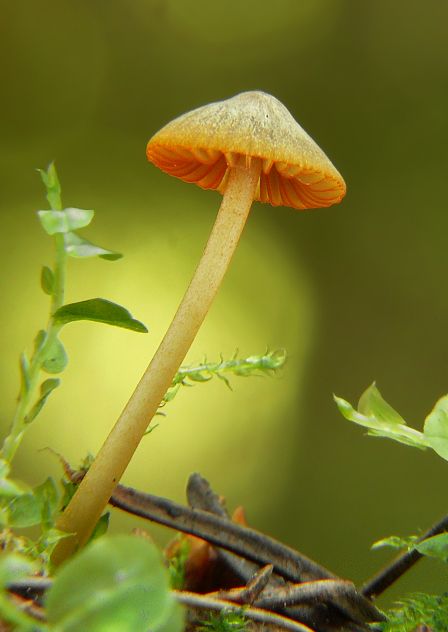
x: 203, y: 602
x: 281, y: 596
x: 323, y: 591
x: 247, y: 594
x: 399, y: 565
x: 233, y: 537
x: 248, y: 543
x: 191, y: 600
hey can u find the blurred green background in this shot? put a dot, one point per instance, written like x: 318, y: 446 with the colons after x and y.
x: 355, y: 293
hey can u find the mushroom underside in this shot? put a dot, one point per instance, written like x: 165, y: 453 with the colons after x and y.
x: 280, y: 184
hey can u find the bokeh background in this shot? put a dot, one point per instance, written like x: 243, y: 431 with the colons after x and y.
x: 355, y: 293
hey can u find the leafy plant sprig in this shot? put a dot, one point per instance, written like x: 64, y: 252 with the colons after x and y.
x: 49, y: 354
x: 381, y: 420
x: 256, y: 365
x: 436, y: 546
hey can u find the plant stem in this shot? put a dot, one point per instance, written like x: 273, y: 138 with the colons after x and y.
x: 26, y: 396
x: 93, y: 494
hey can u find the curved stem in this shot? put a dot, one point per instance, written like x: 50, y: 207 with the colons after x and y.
x: 92, y: 496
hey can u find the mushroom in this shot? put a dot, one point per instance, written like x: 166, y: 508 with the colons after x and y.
x: 248, y: 148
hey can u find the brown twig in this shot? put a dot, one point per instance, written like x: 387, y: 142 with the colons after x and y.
x: 248, y: 543
x: 323, y: 594
x: 204, y: 602
x: 243, y: 541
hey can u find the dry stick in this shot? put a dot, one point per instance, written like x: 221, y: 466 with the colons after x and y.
x: 221, y: 532
x: 248, y: 543
x: 247, y: 594
x: 322, y: 590
x: 201, y: 496
x: 203, y: 602
x: 87, y: 505
x: 399, y: 565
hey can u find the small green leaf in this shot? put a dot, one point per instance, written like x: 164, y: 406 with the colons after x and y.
x: 47, y: 494
x: 51, y: 537
x: 100, y: 528
x: 381, y: 419
x: 76, y: 246
x: 436, y: 546
x: 64, y: 221
x: 197, y: 377
x: 226, y: 381
x: 98, y: 310
x: 394, y: 541
x: 24, y: 374
x: 45, y: 389
x: 47, y: 281
x: 56, y: 359
x: 39, y: 339
x: 34, y: 507
x: 50, y: 179
x: 371, y: 404
x: 24, y: 511
x: 14, y: 566
x: 436, y: 428
x: 115, y: 583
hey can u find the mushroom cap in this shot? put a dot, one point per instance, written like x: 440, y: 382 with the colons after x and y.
x: 202, y: 145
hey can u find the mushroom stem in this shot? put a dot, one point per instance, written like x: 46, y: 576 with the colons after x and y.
x: 92, y: 496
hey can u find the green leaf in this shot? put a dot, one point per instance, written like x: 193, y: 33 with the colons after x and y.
x: 24, y: 511
x: 39, y: 339
x: 50, y: 538
x: 101, y: 527
x: 47, y: 494
x: 198, y: 377
x: 371, y: 404
x: 47, y: 281
x: 395, y: 541
x: 98, y: 310
x: 24, y: 374
x: 115, y: 583
x: 34, y: 507
x: 436, y: 546
x: 64, y: 221
x: 56, y: 359
x: 14, y: 566
x: 78, y: 247
x: 436, y: 428
x: 45, y: 389
x: 50, y: 179
x: 381, y: 419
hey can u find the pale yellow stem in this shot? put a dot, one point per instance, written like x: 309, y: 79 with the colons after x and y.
x: 94, y: 492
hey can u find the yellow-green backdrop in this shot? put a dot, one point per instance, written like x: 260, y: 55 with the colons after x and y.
x: 355, y: 293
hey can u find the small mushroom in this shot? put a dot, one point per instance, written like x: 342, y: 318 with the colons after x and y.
x: 248, y: 148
